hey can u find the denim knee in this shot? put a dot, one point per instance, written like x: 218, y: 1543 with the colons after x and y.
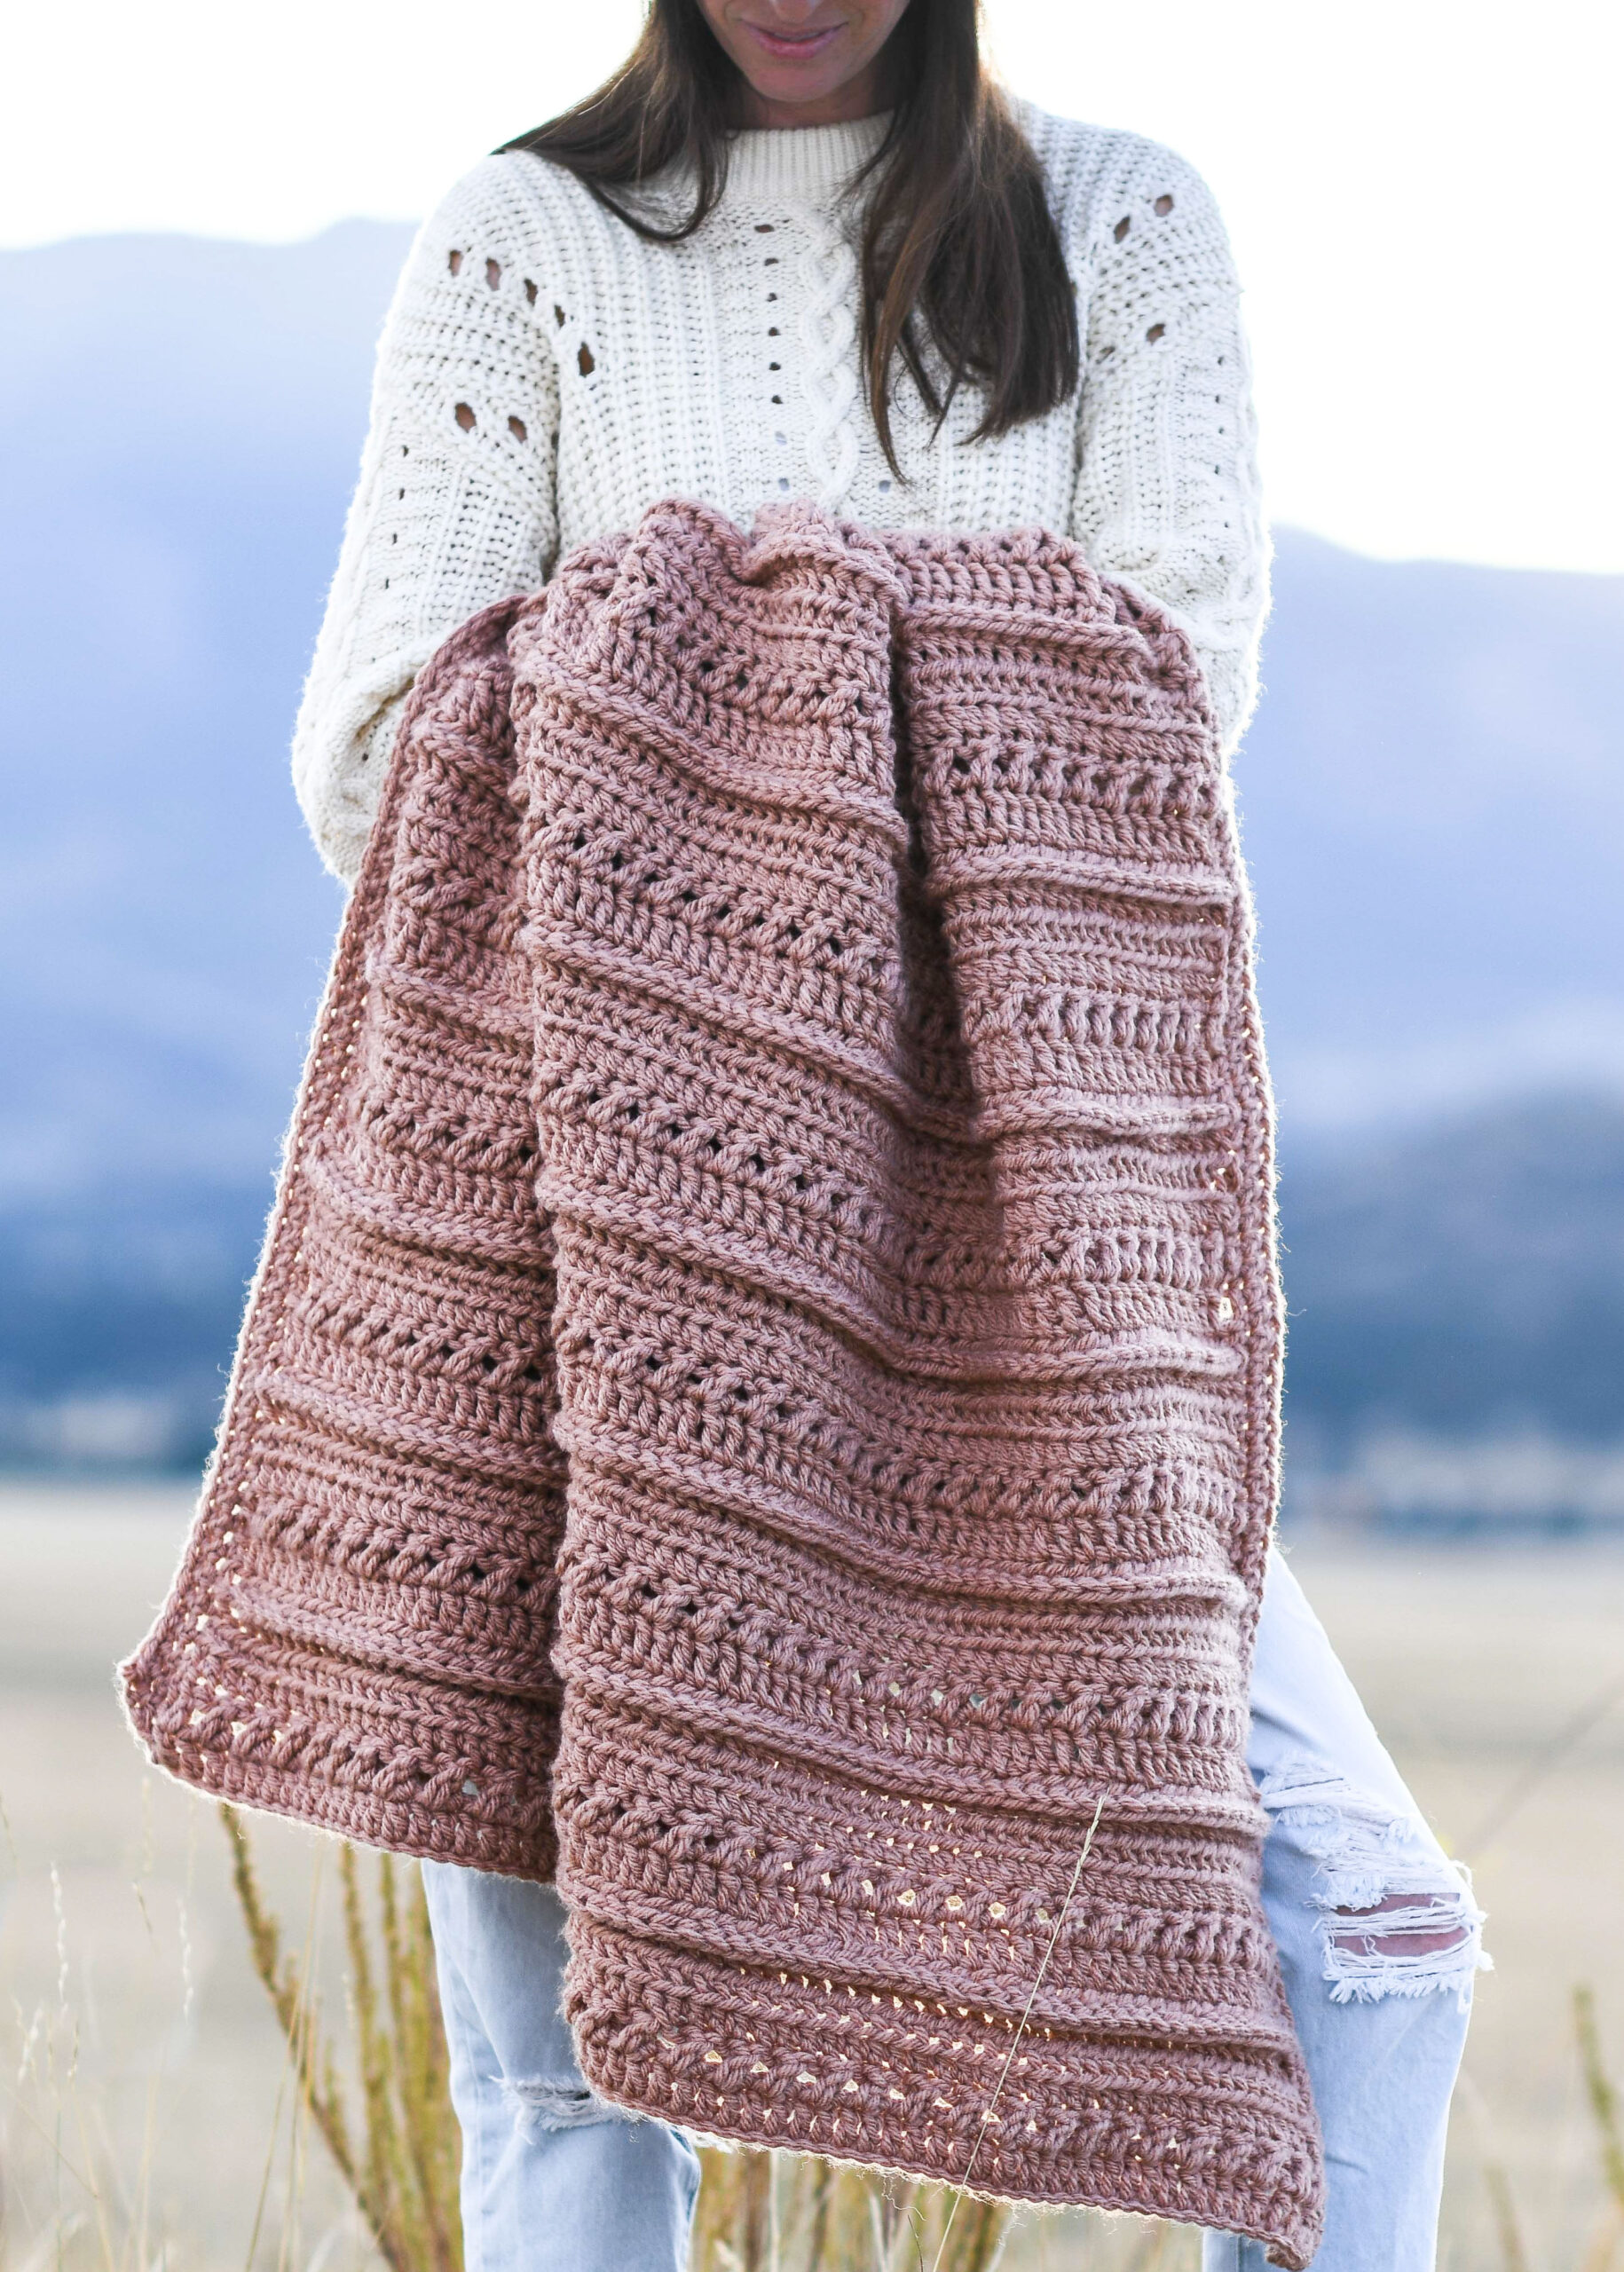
x: 548, y: 2103
x: 1393, y: 1916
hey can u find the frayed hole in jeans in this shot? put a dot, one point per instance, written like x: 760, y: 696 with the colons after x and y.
x: 547, y: 2105
x: 1396, y: 1916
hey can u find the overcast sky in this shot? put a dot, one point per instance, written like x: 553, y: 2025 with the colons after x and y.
x: 1426, y: 198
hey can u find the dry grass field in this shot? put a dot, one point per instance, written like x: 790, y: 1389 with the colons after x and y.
x: 144, y: 2109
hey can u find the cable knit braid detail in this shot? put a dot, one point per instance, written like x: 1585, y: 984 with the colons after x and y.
x: 829, y: 362
x: 764, y: 1386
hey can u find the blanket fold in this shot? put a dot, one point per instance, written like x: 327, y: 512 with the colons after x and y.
x: 761, y: 1395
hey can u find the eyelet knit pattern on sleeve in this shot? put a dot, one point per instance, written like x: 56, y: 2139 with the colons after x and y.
x: 1167, y: 495
x: 454, y: 507
x: 546, y: 374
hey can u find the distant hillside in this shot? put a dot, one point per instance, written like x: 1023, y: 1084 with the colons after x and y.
x: 1461, y: 1277
x: 1432, y: 794
x: 179, y: 425
x: 119, y: 1315
x: 1433, y: 805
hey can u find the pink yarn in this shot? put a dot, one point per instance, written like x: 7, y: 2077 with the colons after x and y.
x: 762, y: 1389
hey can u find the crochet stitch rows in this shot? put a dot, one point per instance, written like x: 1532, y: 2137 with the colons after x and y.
x: 762, y: 1392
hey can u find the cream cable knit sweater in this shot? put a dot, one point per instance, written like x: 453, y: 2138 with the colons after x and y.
x: 544, y: 374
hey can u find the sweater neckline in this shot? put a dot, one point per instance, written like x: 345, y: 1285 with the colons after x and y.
x: 802, y: 162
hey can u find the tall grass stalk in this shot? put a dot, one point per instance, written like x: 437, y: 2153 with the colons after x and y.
x: 1513, y: 2255
x: 400, y: 2160
x: 397, y: 2149
x: 111, y: 2211
x: 796, y: 2213
x: 1600, y: 2093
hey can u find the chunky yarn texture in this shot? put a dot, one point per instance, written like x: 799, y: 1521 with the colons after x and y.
x: 761, y: 1394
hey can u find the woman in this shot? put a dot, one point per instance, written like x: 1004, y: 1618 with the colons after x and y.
x: 805, y: 249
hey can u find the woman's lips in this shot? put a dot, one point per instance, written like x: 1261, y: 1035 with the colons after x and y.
x: 791, y: 46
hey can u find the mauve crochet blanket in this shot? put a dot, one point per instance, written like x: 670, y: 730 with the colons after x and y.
x: 765, y: 1368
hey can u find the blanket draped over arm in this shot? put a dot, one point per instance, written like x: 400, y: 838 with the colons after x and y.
x: 762, y: 1396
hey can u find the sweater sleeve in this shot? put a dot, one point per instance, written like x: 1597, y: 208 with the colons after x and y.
x: 1166, y: 495
x: 455, y: 507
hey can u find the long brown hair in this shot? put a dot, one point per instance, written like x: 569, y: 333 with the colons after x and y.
x: 957, y: 233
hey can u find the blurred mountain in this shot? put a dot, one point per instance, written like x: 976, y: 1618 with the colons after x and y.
x: 1464, y: 1276
x: 120, y: 1304
x: 179, y: 426
x: 1432, y: 796
x: 1433, y: 799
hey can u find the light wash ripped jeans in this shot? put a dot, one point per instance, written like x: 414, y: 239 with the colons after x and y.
x: 1378, y: 1939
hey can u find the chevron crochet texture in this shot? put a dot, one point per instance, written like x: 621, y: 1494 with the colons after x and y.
x: 761, y: 1395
